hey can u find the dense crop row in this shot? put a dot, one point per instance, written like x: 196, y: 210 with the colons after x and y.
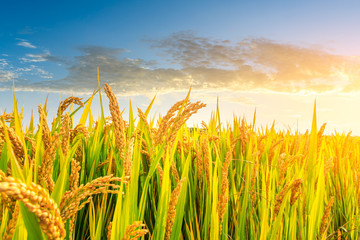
x: 159, y: 179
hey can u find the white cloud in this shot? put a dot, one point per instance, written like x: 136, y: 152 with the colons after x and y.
x: 7, y: 76
x: 204, y: 64
x: 3, y: 62
x: 7, y: 72
x: 25, y: 43
x: 33, y: 58
x: 10, y: 72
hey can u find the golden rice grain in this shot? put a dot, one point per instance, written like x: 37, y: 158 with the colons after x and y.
x: 46, y: 131
x: 206, y: 157
x: 108, y: 235
x: 38, y: 201
x: 164, y: 124
x: 174, y: 172
x: 147, y: 126
x: 253, y: 182
x: 46, y: 167
x: 65, y: 133
x: 66, y: 103
x: 32, y: 143
x: 172, y: 209
x: 118, y: 122
x: 199, y: 163
x: 79, y: 129
x: 133, y: 232
x: 74, y: 175
x: 325, y: 217
x: 10, y: 228
x: 176, y: 123
x: 17, y: 145
x: 160, y: 171
x: 295, y: 194
x: 75, y: 200
x: 128, y: 158
x: 223, y: 199
x: 279, y: 199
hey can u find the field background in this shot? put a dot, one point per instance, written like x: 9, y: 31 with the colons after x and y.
x: 155, y: 178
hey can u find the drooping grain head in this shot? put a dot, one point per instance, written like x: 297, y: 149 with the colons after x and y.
x: 75, y: 200
x: 17, y: 145
x: 64, y: 104
x: 164, y: 124
x: 38, y: 201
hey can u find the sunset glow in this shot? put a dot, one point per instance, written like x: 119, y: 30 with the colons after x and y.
x: 276, y: 60
x: 176, y: 120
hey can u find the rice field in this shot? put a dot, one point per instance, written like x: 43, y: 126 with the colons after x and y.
x: 140, y: 177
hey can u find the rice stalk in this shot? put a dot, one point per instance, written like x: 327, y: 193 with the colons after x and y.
x: 117, y: 119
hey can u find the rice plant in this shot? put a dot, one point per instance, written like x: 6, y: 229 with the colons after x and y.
x: 137, y: 177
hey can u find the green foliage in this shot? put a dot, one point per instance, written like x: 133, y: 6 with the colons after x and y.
x: 261, y: 200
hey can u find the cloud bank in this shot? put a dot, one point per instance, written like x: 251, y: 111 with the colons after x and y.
x: 203, y: 63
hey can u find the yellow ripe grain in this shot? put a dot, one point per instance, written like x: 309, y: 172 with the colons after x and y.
x: 65, y: 133
x: 10, y: 228
x: 223, y: 198
x: 74, y: 200
x: 172, y: 209
x: 117, y: 119
x: 46, y: 135
x: 295, y: 194
x: 38, y: 201
x: 279, y: 199
x: 64, y: 104
x: 325, y: 217
x: 133, y: 232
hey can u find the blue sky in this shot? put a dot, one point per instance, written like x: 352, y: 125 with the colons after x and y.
x: 275, y: 56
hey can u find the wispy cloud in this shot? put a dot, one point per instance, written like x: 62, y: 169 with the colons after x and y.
x: 259, y: 63
x: 7, y: 73
x: 27, y: 30
x: 254, y: 64
x: 127, y: 76
x: 36, y: 57
x: 20, y: 74
x: 25, y: 43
